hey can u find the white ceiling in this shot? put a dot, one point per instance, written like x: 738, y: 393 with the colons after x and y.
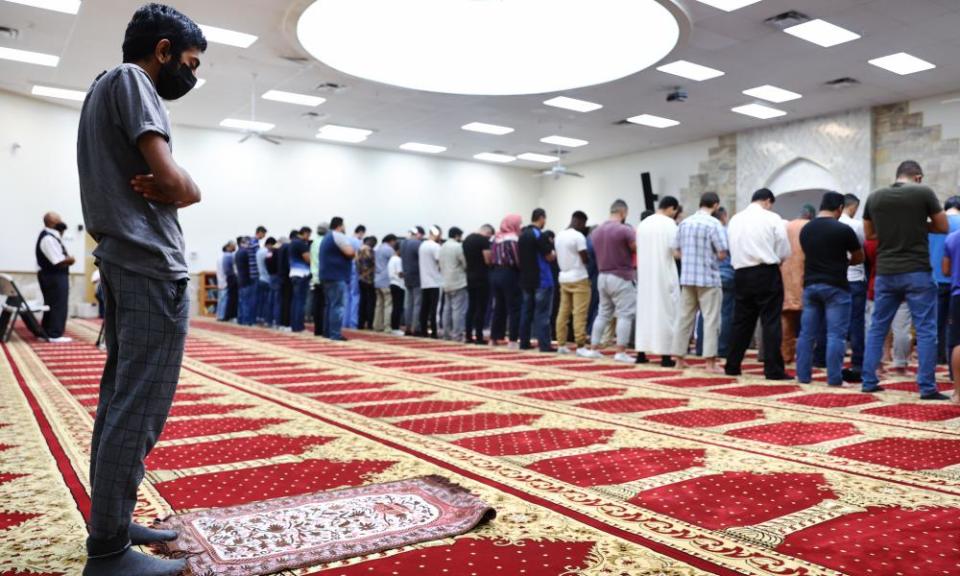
x: 739, y: 43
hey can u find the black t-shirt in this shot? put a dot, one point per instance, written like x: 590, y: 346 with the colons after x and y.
x: 473, y: 248
x: 825, y: 243
x: 298, y: 247
x: 271, y: 261
x: 531, y: 247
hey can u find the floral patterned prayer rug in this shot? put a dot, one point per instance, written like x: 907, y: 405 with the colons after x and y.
x: 289, y: 533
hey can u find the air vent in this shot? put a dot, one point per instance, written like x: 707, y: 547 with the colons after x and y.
x: 9, y: 33
x: 841, y: 83
x: 787, y: 19
x: 331, y: 87
x: 315, y: 116
x: 296, y: 59
x: 622, y: 123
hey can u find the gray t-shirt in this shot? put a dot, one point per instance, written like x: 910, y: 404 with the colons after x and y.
x: 383, y: 253
x: 144, y: 237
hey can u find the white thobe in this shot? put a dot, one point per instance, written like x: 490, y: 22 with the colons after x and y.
x: 658, y: 285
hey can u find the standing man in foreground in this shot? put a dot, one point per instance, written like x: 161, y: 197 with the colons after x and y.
x: 54, y: 276
x: 900, y: 217
x: 758, y: 244
x: 131, y: 189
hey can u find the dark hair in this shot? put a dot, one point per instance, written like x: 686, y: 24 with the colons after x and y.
x: 455, y: 232
x: 952, y: 202
x: 668, y: 202
x: 489, y: 228
x: 763, y: 194
x: 154, y: 22
x: 850, y: 200
x: 370, y: 241
x: 261, y: 229
x: 549, y: 235
x: 270, y: 241
x: 360, y: 229
x: 538, y: 213
x: 420, y: 230
x: 336, y: 222
x: 720, y: 210
x: 832, y: 201
x: 293, y: 234
x: 389, y: 238
x: 579, y: 215
x: 306, y: 230
x: 910, y: 169
x: 709, y: 200
x: 808, y: 211
x: 646, y: 214
x: 240, y: 240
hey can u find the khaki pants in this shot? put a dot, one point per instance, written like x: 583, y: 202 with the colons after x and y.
x: 574, y: 299
x: 791, y: 327
x: 708, y: 300
x: 383, y: 310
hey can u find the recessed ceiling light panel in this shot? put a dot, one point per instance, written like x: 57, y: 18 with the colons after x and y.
x: 425, y: 148
x: 61, y: 93
x: 902, y: 64
x: 28, y: 57
x: 487, y: 128
x: 690, y: 70
x: 494, y: 157
x: 728, y: 5
x: 228, y: 37
x: 572, y: 104
x: 541, y: 158
x: 822, y: 33
x: 564, y: 141
x: 472, y: 47
x: 772, y: 94
x: 653, y: 121
x: 343, y: 134
x: 65, y: 6
x: 759, y: 111
x: 293, y: 98
x: 249, y: 125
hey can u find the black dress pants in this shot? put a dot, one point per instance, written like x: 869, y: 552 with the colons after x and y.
x: 397, y: 294
x: 478, y: 298
x: 428, y: 312
x: 759, y: 294
x: 319, y: 307
x: 56, y: 294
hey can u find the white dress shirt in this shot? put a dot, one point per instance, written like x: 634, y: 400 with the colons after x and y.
x: 856, y: 273
x: 53, y: 250
x: 757, y: 237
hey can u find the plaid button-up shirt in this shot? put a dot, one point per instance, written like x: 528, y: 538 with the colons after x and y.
x: 700, y: 238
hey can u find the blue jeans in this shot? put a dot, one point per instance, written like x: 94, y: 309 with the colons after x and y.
x: 301, y: 287
x: 857, y: 332
x: 223, y: 294
x: 274, y: 316
x: 247, y: 310
x: 335, y: 297
x: 263, y: 300
x: 539, y: 304
x: 823, y: 303
x: 919, y: 291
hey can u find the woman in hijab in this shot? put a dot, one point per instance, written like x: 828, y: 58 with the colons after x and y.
x: 505, y: 282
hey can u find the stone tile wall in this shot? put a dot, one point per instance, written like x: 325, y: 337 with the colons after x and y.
x: 899, y: 134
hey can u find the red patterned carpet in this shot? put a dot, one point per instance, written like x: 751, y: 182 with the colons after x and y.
x: 594, y: 468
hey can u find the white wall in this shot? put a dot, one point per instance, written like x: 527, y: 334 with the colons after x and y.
x: 611, y: 178
x: 943, y: 110
x: 281, y: 187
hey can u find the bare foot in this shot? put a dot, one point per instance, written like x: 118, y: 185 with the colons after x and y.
x: 713, y: 369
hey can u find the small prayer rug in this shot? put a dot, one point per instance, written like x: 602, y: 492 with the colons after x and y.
x: 295, y: 532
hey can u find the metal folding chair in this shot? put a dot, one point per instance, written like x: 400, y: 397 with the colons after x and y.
x: 15, y: 306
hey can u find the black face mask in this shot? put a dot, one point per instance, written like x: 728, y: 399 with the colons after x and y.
x: 175, y: 80
x: 61, y: 227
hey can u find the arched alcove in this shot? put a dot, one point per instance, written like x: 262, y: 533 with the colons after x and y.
x: 800, y: 181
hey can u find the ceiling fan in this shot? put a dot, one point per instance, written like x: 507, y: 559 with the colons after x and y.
x: 253, y: 118
x: 559, y: 169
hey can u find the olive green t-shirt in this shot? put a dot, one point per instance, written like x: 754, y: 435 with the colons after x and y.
x: 899, y: 215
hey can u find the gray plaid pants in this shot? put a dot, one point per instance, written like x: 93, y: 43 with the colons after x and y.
x: 146, y: 327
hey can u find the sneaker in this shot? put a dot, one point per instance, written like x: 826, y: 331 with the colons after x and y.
x: 60, y: 340
x: 564, y: 350
x: 623, y: 357
x: 872, y: 390
x: 935, y: 396
x: 588, y: 353
x: 398, y: 333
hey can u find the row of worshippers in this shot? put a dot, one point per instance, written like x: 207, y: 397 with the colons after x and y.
x: 901, y: 240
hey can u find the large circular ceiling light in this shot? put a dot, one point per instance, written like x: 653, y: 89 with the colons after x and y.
x: 490, y: 47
